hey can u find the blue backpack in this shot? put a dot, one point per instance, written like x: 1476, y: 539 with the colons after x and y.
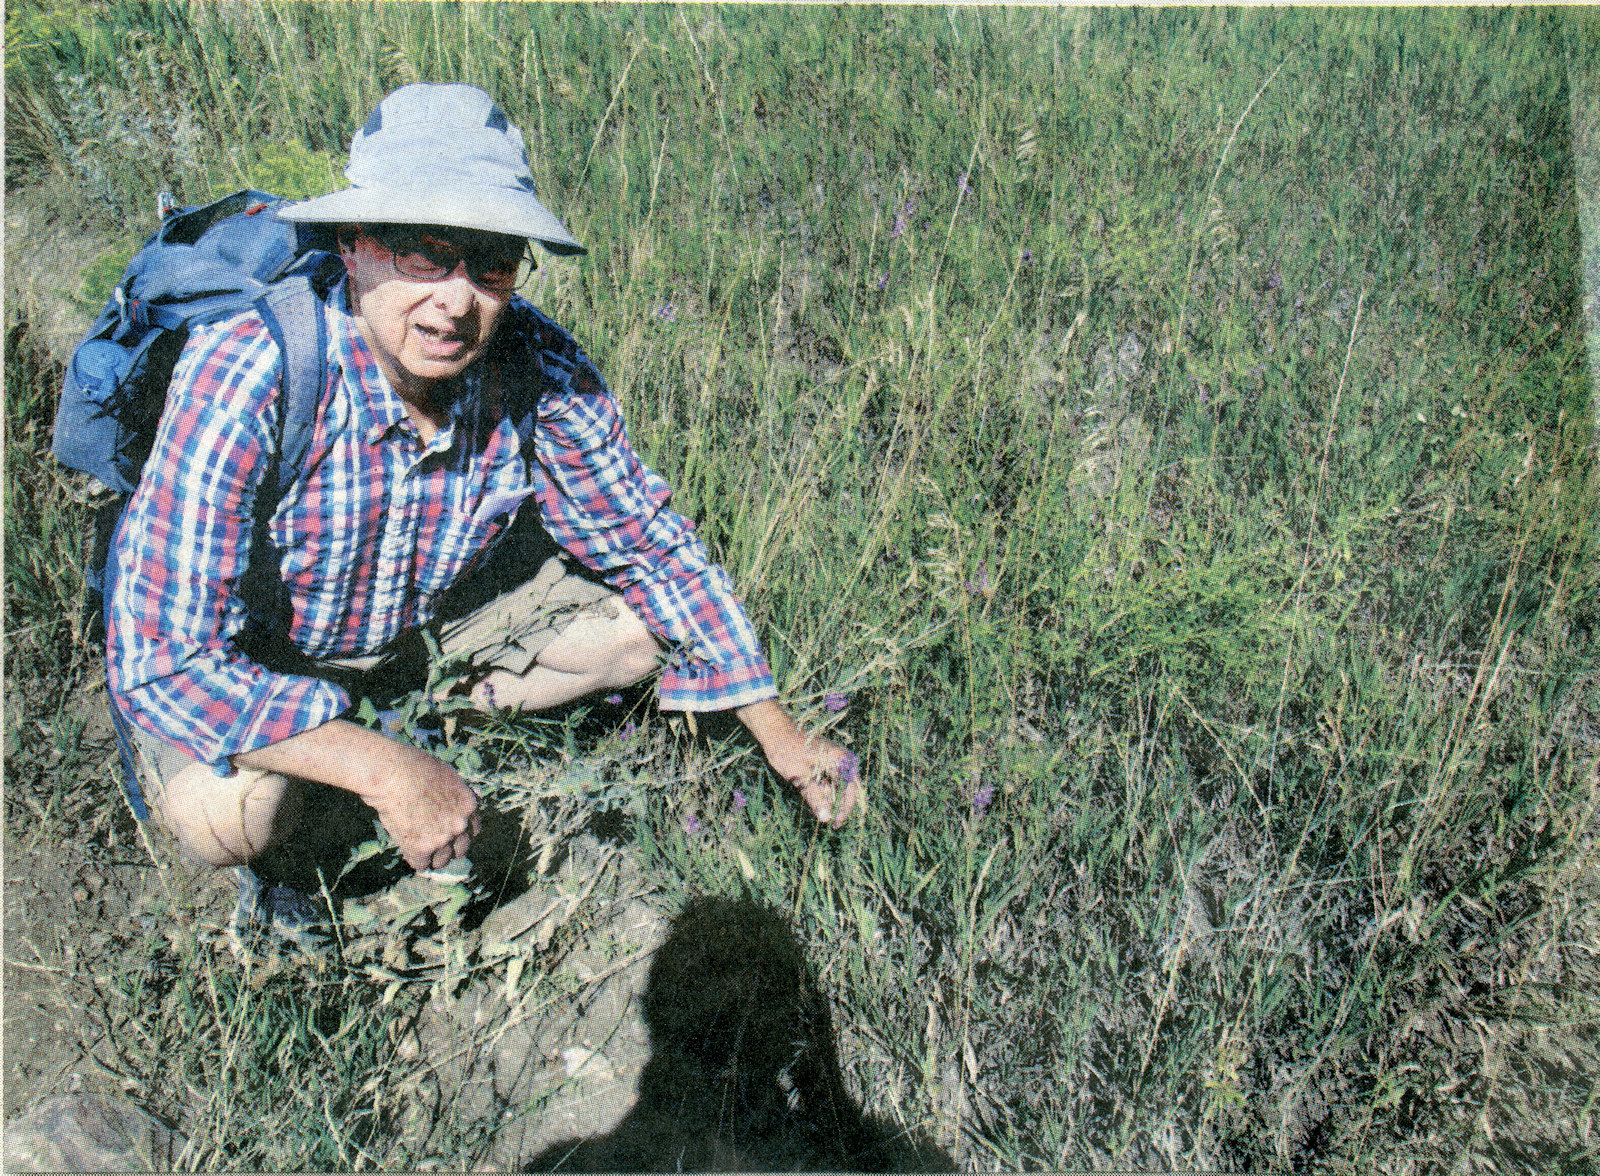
x: 201, y: 265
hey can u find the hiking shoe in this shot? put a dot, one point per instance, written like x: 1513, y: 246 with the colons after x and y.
x: 290, y: 916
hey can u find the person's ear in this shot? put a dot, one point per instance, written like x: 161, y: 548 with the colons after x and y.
x: 347, y: 247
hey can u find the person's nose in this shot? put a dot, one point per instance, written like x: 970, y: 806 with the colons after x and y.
x: 454, y: 293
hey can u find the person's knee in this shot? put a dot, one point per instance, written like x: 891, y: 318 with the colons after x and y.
x: 604, y: 647
x: 228, y: 821
x: 635, y: 653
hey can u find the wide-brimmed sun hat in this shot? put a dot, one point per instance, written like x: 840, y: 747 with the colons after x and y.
x: 440, y: 155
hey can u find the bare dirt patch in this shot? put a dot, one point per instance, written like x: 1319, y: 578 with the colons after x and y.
x: 70, y: 876
x: 532, y: 1033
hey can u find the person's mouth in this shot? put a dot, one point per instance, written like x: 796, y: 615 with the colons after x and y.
x: 442, y: 342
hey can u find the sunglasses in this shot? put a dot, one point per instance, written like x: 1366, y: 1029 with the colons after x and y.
x: 430, y: 259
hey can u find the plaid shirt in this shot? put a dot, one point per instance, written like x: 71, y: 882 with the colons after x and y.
x: 378, y: 524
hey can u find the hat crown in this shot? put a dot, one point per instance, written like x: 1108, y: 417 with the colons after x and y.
x: 431, y: 134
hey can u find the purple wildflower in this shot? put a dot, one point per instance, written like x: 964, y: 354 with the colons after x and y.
x: 1027, y: 256
x: 849, y: 768
x: 691, y: 823
x: 981, y: 798
x: 979, y: 584
x: 738, y: 800
x: 966, y: 188
x: 629, y: 728
x: 899, y: 227
x: 667, y: 312
x: 613, y: 700
x: 835, y: 701
x: 883, y: 280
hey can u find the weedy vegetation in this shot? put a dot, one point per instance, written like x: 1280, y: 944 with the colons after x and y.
x: 1160, y: 443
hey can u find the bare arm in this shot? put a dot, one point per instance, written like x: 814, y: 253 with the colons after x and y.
x: 814, y: 765
x: 426, y: 807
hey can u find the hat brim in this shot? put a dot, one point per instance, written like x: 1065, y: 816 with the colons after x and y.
x: 512, y: 212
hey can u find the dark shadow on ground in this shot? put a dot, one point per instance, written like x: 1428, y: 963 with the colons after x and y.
x: 744, y: 1074
x: 335, y: 822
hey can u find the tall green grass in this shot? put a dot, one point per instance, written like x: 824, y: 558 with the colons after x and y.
x: 1170, y: 429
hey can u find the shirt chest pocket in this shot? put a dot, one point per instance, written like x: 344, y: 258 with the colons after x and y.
x: 497, y: 505
x: 479, y: 531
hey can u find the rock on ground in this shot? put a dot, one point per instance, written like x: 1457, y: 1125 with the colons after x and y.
x: 88, y: 1133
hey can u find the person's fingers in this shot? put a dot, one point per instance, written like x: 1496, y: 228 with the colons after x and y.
x: 843, y: 799
x: 848, y: 773
x: 847, y: 804
x: 829, y: 796
x: 817, y: 792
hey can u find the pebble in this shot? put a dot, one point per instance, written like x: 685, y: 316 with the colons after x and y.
x: 408, y: 1048
x: 586, y: 1063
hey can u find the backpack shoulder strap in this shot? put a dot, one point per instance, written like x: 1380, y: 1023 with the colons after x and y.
x: 534, y: 356
x: 292, y: 312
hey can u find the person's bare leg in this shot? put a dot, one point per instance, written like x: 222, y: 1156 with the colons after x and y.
x: 594, y: 652
x: 226, y: 821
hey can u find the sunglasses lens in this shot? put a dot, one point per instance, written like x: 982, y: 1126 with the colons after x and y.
x: 498, y: 273
x: 430, y: 260
x: 437, y: 260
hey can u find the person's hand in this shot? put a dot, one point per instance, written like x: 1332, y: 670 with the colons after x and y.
x: 422, y: 801
x: 826, y: 774
x: 428, y: 809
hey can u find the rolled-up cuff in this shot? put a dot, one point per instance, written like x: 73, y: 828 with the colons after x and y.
x: 700, y: 687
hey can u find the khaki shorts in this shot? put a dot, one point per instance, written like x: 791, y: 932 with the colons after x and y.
x: 508, y: 633
x: 512, y: 630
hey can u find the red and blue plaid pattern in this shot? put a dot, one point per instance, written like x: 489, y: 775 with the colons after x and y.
x: 377, y: 526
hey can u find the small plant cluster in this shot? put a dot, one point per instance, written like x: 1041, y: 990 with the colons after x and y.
x: 356, y: 1038
x: 1159, y: 443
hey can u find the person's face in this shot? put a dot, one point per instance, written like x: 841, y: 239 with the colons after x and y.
x: 427, y: 299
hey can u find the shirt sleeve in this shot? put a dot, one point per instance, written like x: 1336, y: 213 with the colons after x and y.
x: 181, y: 550
x: 602, y: 504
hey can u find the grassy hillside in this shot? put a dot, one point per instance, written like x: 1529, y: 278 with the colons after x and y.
x: 1170, y: 430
